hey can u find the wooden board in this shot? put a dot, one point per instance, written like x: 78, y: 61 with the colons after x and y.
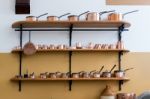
x: 128, y: 2
x: 66, y: 24
x: 76, y: 50
x: 66, y: 79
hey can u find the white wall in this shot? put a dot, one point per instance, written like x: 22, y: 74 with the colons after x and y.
x: 136, y: 39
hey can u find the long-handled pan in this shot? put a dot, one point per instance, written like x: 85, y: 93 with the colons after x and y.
x: 76, y: 17
x: 108, y: 73
x: 119, y: 16
x: 34, y: 18
x: 56, y: 18
x: 29, y: 48
x: 94, y: 16
x: 121, y: 73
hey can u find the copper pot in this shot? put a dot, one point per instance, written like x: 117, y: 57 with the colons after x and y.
x: 76, y: 17
x: 34, y: 18
x: 98, y: 74
x: 52, y: 75
x: 94, y: 16
x: 118, y: 16
x: 65, y: 75
x: 56, y: 18
x: 58, y: 74
x: 75, y: 75
x: 121, y: 73
x: 126, y: 96
x: 108, y: 74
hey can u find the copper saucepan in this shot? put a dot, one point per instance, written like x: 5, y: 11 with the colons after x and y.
x: 118, y: 16
x: 121, y: 73
x: 76, y: 17
x: 94, y: 16
x: 108, y: 73
x: 98, y: 74
x: 34, y: 18
x: 56, y: 18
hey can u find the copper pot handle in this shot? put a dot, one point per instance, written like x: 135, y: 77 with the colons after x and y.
x: 64, y: 15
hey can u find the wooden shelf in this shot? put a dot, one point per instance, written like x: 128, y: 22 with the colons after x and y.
x: 66, y: 79
x: 76, y: 50
x: 66, y: 24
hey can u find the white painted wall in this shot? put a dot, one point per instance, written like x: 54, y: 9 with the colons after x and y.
x: 137, y: 39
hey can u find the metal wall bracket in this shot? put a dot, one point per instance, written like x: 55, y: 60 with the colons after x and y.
x: 70, y: 55
x: 20, y: 57
x: 120, y: 85
x: 120, y: 30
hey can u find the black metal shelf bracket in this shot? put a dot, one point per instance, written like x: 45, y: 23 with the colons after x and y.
x: 120, y: 30
x: 120, y: 84
x: 20, y: 58
x: 70, y: 55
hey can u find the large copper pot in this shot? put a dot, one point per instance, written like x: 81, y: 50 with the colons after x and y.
x: 126, y: 96
x: 118, y: 16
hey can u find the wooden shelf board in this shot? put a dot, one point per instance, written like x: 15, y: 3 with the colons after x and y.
x: 66, y: 79
x: 66, y: 24
x: 76, y: 50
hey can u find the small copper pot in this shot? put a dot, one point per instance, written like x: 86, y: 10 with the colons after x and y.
x: 75, y: 75
x: 31, y: 18
x: 108, y: 74
x: 98, y: 74
x: 52, y: 75
x: 56, y: 18
x: 76, y: 17
x: 65, y: 75
x: 94, y: 16
x: 34, y: 18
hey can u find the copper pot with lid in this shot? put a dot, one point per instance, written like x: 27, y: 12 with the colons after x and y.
x: 118, y: 16
x: 56, y: 18
x: 34, y: 18
x: 76, y: 17
x: 94, y: 16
